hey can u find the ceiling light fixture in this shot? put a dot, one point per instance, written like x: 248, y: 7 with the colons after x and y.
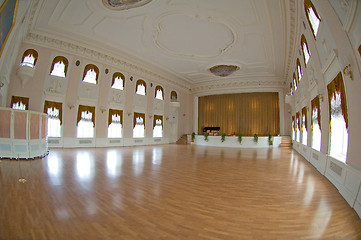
x: 124, y: 4
x: 223, y: 70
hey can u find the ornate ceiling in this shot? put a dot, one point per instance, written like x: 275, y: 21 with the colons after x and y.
x: 184, y: 38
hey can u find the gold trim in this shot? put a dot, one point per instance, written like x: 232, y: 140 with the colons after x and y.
x: 14, y: 18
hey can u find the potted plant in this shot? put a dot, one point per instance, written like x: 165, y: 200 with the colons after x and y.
x: 240, y: 138
x: 270, y: 141
x: 223, y: 138
x: 255, y: 138
x: 193, y: 136
x: 206, y: 137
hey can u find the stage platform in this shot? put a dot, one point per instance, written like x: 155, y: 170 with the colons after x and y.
x: 232, y: 141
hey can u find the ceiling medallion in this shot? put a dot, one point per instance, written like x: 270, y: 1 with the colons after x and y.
x: 223, y: 70
x: 124, y: 4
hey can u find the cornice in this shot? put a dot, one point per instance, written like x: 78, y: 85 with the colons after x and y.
x: 291, y: 34
x: 238, y: 85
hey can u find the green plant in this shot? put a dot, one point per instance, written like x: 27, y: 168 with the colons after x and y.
x: 206, y: 137
x: 193, y: 136
x: 223, y: 138
x: 255, y: 138
x: 270, y: 139
x: 240, y: 138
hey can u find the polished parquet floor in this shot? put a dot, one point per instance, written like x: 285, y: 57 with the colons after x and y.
x: 171, y: 192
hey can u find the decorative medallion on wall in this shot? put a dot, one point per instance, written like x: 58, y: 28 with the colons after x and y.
x: 223, y: 70
x: 124, y: 4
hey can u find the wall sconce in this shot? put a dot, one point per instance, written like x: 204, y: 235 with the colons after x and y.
x: 70, y: 106
x: 129, y: 113
x: 167, y: 118
x: 150, y: 116
x: 103, y: 109
x: 1, y: 84
x: 347, y: 71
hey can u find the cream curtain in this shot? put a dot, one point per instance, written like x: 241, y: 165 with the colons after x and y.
x: 243, y: 113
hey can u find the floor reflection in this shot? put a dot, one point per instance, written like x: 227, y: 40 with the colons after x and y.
x: 114, y: 162
x: 157, y: 156
x: 138, y: 161
x: 85, y: 170
x: 310, y: 189
x: 55, y: 169
x: 321, y: 219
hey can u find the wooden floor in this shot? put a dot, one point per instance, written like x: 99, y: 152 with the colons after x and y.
x: 171, y: 192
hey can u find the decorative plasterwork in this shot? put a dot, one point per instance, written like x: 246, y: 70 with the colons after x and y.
x: 192, y: 35
x: 234, y: 85
x: 124, y: 4
x: 101, y: 57
x: 291, y: 36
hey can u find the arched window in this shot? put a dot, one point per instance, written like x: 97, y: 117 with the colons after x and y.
x: 294, y: 81
x: 312, y: 17
x: 298, y: 126
x: 293, y: 128
x: 30, y: 58
x: 158, y: 126
x: 118, y: 81
x: 59, y: 67
x: 91, y: 73
x: 316, y: 123
x: 159, y: 93
x: 20, y: 103
x: 304, y: 126
x: 299, y: 70
x: 338, y: 118
x: 173, y: 96
x: 85, y: 121
x: 115, y: 122
x: 305, y: 49
x: 139, y: 125
x: 54, y: 111
x: 141, y: 87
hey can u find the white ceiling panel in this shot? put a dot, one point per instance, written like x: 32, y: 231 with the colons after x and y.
x: 184, y: 37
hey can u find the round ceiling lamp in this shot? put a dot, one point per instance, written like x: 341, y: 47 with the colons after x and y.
x: 223, y: 70
x: 124, y: 4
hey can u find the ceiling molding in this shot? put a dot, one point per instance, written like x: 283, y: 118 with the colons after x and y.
x: 291, y: 34
x: 237, y: 85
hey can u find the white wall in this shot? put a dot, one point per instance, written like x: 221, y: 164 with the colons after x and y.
x: 334, y: 48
